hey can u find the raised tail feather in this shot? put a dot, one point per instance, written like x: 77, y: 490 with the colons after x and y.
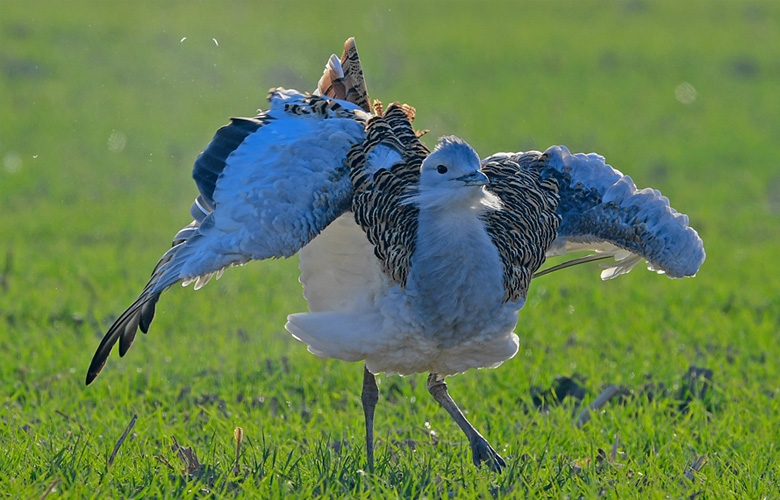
x: 343, y: 78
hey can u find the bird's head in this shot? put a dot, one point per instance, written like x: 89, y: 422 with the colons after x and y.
x: 453, y: 164
x: 451, y: 175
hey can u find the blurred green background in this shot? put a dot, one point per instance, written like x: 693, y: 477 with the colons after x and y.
x: 105, y: 105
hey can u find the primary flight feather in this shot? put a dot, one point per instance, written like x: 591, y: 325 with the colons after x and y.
x: 411, y: 260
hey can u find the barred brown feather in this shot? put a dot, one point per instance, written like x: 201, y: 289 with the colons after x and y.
x: 350, y: 87
x: 389, y: 224
x: 526, y: 225
x: 316, y: 105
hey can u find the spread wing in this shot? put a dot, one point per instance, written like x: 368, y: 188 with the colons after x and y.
x: 268, y: 185
x: 601, y: 209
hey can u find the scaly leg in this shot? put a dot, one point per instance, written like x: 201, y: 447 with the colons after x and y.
x: 369, y: 397
x: 480, y: 448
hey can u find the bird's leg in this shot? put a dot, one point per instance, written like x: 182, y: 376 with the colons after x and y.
x: 480, y: 448
x: 369, y: 397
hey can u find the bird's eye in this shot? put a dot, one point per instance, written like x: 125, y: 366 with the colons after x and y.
x: 441, y: 169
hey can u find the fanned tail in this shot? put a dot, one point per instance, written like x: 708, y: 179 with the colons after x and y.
x: 343, y: 78
x: 341, y: 335
x: 601, y: 209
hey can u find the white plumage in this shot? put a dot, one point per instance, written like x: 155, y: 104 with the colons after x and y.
x: 418, y: 327
x: 411, y: 261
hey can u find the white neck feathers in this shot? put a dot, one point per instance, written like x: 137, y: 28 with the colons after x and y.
x: 476, y: 199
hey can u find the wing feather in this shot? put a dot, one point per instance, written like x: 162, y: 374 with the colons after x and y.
x: 268, y: 185
x: 211, y: 162
x: 526, y: 224
x: 601, y: 210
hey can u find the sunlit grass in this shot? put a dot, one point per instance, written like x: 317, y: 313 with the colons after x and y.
x: 104, y: 107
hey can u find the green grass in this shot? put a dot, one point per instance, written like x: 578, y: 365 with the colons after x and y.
x: 85, y: 218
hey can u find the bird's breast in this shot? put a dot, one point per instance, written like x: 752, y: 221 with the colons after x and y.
x: 455, y: 287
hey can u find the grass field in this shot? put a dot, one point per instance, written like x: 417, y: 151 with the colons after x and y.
x: 104, y: 107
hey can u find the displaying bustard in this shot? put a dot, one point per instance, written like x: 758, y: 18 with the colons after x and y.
x: 411, y: 261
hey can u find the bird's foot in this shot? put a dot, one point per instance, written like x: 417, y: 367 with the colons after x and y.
x: 483, y: 452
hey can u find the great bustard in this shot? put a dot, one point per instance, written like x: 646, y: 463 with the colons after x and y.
x: 411, y: 261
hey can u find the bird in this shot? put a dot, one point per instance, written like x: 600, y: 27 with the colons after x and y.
x: 413, y: 260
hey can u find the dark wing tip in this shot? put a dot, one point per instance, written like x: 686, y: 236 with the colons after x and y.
x: 93, y: 371
x: 138, y: 316
x: 146, y: 314
x: 211, y: 162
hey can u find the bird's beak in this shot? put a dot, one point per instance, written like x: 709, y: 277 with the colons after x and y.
x: 476, y: 178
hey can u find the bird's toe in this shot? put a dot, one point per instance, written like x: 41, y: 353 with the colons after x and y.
x: 484, y: 453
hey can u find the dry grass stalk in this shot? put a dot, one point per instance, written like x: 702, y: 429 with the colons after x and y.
x: 238, y: 434
x: 609, y: 393
x: 49, y: 488
x: 121, y: 440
